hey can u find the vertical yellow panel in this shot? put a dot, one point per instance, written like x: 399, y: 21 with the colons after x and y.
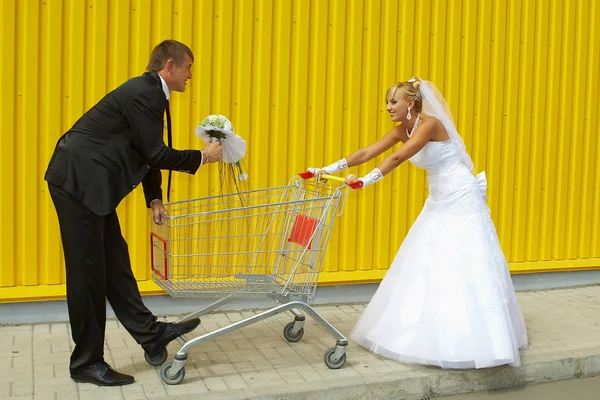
x: 303, y: 82
x: 386, y: 233
x: 202, y: 40
x: 317, y: 87
x: 8, y: 25
x: 96, y: 51
x: 464, y: 116
x: 451, y: 89
x: 50, y: 95
x: 371, y: 97
x: 261, y: 93
x: 538, y: 132
x: 348, y: 135
x: 509, y: 125
x: 590, y: 205
x: 280, y: 83
x: 298, y: 89
x: 241, y: 100
x: 496, y: 109
x: 524, y: 124
x: 136, y: 218
x: 182, y: 103
x: 26, y: 160
x: 74, y: 64
x: 420, y: 64
x: 334, y: 106
x: 118, y: 56
x: 576, y: 166
x: 481, y: 98
x: 439, y: 41
x: 317, y: 58
x: 551, y: 144
x: 401, y: 193
x: 564, y: 126
x: 411, y: 177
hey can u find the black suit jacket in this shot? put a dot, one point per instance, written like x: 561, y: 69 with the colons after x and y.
x: 117, y: 144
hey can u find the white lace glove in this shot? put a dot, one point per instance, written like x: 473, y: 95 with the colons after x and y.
x: 372, y: 177
x: 315, y: 172
x: 337, y: 166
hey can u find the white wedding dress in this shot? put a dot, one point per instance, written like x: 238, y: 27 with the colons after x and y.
x: 447, y: 299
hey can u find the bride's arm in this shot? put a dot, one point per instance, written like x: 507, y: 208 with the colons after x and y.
x: 422, y: 135
x: 368, y: 153
x: 391, y: 138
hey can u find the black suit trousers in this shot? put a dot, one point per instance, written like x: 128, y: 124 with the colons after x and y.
x: 98, y: 268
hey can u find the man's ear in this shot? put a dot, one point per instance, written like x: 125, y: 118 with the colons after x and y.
x: 169, y: 65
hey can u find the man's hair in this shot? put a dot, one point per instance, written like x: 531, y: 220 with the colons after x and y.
x: 166, y: 50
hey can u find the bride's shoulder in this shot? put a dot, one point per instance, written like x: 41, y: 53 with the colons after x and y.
x: 429, y: 123
x: 435, y: 126
x: 430, y: 120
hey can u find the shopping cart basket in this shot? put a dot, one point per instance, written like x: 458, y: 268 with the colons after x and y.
x: 267, y: 243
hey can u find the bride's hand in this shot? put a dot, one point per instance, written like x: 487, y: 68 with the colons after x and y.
x: 318, y: 173
x: 350, y: 178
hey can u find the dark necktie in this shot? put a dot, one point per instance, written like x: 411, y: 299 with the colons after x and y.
x: 170, y: 144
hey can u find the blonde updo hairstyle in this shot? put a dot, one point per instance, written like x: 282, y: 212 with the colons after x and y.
x: 409, y: 91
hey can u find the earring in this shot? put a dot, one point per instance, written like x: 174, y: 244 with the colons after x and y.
x: 408, y: 116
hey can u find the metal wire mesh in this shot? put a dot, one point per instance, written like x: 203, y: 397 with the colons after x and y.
x: 252, y: 244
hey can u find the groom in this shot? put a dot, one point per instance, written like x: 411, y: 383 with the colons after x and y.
x: 112, y: 148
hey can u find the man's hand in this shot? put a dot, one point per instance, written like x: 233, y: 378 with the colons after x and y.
x: 212, y: 152
x: 159, y: 211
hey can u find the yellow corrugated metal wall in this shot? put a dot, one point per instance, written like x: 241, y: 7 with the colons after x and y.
x: 303, y: 81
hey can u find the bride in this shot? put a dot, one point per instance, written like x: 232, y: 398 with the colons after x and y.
x: 447, y: 299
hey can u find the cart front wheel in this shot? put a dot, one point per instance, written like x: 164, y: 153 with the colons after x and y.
x: 289, y: 335
x: 158, y: 359
x: 175, y: 380
x: 333, y: 363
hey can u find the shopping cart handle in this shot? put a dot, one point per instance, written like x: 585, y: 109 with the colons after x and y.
x: 356, y: 184
x: 308, y: 175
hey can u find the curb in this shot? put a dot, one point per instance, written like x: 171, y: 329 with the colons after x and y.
x: 426, y: 383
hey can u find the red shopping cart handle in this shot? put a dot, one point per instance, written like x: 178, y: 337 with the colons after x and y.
x: 306, y: 175
x: 356, y: 184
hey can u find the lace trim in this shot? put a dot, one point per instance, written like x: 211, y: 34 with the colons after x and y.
x: 372, y: 177
x: 337, y: 166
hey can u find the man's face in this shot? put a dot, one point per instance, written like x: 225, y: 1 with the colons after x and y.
x: 179, y: 74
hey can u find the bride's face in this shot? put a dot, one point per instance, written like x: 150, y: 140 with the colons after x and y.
x: 397, y: 107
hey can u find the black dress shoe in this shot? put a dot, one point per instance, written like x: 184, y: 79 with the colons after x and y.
x: 172, y: 332
x: 101, y: 374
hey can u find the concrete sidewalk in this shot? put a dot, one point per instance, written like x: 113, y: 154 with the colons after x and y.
x: 256, y: 362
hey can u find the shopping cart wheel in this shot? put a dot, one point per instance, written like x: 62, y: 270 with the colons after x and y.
x: 330, y: 360
x: 289, y: 335
x: 175, y: 380
x: 158, y: 359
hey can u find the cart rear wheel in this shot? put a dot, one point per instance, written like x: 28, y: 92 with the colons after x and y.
x: 175, y: 380
x: 158, y: 359
x: 292, y: 337
x: 331, y: 362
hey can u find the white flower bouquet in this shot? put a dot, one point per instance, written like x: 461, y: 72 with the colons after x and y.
x: 218, y: 127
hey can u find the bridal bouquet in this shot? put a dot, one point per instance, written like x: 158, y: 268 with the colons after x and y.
x: 218, y: 127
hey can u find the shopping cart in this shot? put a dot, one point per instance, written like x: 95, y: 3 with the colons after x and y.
x: 267, y: 243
